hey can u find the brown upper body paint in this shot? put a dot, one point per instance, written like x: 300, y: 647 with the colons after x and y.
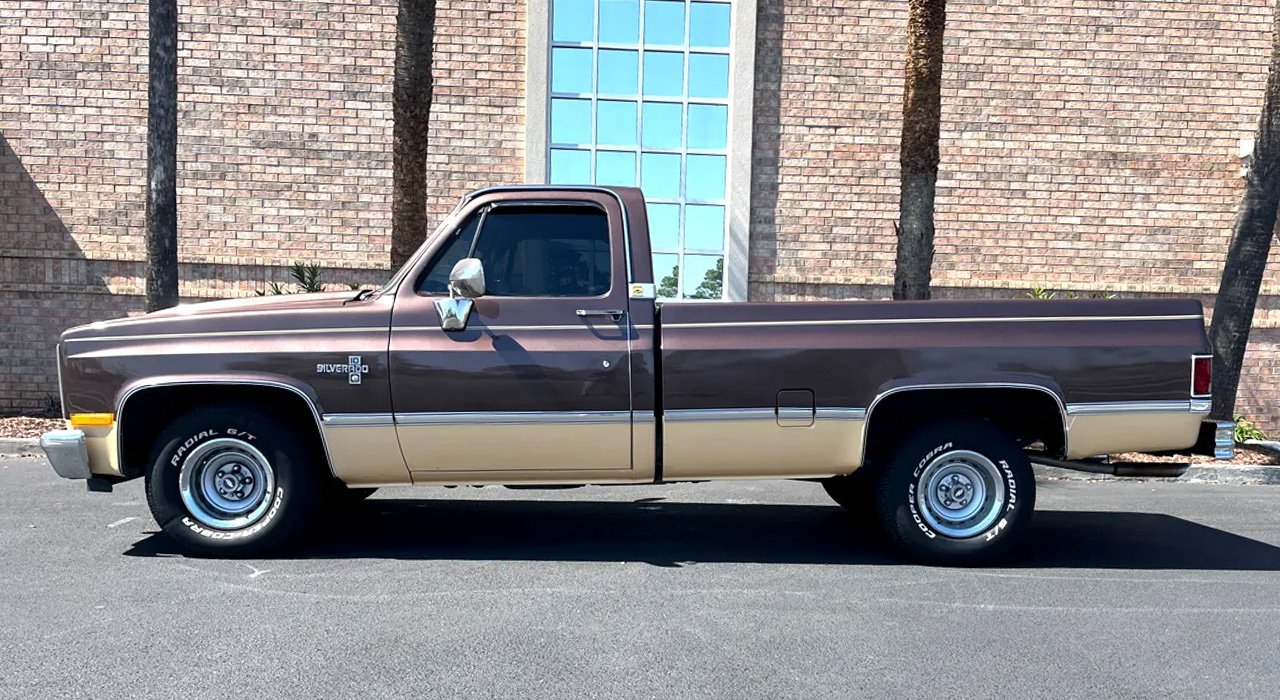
x: 541, y: 356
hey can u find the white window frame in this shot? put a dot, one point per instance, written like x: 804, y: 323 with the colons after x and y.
x: 740, y: 103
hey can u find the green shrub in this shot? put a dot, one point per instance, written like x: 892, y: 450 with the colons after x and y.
x: 1248, y: 430
x: 308, y: 277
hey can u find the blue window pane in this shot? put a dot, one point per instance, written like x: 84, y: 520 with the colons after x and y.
x: 664, y: 226
x: 571, y: 20
x: 708, y: 126
x: 660, y: 125
x: 570, y: 167
x: 708, y: 75
x: 708, y: 24
x: 704, y: 227
x: 571, y: 70
x: 616, y: 123
x: 571, y: 121
x: 660, y: 175
x: 619, y: 21
x: 666, y: 269
x: 703, y: 277
x: 663, y: 23
x: 664, y: 74
x: 616, y: 168
x: 706, y: 178
x: 619, y: 72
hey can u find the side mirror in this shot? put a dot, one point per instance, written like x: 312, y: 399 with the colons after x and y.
x: 467, y: 279
x: 466, y: 282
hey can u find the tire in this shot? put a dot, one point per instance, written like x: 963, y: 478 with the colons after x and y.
x: 231, y: 480
x: 957, y: 492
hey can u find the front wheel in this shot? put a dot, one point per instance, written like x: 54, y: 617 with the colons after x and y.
x: 230, y: 480
x: 958, y: 492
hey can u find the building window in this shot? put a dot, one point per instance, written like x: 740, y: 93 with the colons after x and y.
x: 639, y: 95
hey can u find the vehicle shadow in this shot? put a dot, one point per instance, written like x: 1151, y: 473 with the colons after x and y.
x: 670, y: 534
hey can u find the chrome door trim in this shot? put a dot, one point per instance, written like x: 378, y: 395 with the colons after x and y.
x: 514, y: 418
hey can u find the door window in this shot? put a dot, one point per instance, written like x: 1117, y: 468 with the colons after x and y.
x: 530, y: 251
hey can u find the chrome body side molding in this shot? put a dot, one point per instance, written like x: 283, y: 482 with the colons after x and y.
x: 358, y: 420
x: 687, y: 415
x: 515, y: 418
x: 1121, y: 407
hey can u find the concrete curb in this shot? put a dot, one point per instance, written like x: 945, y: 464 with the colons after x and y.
x: 12, y: 447
x: 1197, y: 474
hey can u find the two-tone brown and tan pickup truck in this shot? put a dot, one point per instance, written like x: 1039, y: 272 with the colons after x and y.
x: 523, y: 345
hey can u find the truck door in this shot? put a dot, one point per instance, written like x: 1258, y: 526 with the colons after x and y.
x: 539, y: 380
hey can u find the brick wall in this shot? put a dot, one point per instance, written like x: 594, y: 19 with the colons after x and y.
x: 284, y: 150
x: 1087, y: 145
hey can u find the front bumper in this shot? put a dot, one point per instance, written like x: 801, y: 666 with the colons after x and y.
x: 67, y: 453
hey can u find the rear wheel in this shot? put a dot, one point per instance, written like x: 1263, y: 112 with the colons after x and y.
x: 957, y: 492
x: 231, y: 480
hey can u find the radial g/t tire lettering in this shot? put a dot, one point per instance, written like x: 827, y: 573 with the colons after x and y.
x: 957, y: 492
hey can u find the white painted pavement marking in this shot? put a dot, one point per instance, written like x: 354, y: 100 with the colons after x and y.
x: 120, y: 522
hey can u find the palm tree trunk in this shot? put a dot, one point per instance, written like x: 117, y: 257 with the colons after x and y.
x: 162, y: 157
x: 411, y: 110
x: 921, y: 123
x: 1250, y: 243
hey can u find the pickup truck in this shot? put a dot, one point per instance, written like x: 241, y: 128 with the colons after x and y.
x: 523, y: 346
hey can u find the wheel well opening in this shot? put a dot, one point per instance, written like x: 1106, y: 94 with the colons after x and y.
x: 1029, y: 416
x: 148, y: 412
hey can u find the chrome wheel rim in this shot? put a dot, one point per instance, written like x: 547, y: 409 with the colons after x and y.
x: 227, y: 484
x: 960, y: 493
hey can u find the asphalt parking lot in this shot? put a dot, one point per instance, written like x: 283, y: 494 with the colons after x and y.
x: 736, y: 590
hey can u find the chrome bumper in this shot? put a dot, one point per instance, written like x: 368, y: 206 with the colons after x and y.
x: 67, y: 453
x: 1224, y: 439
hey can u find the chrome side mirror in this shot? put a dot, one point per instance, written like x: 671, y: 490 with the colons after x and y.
x: 467, y: 279
x: 466, y: 282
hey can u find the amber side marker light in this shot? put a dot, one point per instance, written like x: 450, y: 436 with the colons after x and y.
x: 93, y: 420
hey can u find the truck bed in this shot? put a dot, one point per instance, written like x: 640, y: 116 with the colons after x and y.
x: 1102, y: 361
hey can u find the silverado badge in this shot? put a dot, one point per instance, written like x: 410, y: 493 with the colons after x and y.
x: 354, y: 369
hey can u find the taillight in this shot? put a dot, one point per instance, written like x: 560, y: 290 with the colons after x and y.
x: 1201, y: 375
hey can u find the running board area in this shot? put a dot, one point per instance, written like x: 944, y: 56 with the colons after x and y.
x: 1165, y: 470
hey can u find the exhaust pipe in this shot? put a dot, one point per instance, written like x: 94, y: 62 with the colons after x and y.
x: 1150, y: 470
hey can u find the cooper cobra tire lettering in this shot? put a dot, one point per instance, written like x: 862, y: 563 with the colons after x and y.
x: 233, y: 534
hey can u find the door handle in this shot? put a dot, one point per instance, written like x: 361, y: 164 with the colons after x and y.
x: 617, y: 314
